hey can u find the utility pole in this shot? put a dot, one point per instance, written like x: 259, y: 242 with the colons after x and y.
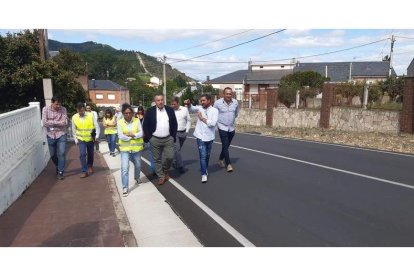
x: 42, y: 46
x: 391, y: 55
x: 165, y: 82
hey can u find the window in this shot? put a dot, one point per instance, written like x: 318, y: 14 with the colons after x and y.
x: 99, y: 96
x: 111, y: 96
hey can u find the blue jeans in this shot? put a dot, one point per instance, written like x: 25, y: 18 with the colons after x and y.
x: 86, y: 154
x: 57, y: 149
x: 225, y: 137
x: 204, y: 149
x: 111, y: 139
x: 134, y: 157
x: 150, y: 156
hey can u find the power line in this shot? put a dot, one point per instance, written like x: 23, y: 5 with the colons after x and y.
x: 327, y: 53
x: 406, y: 37
x: 206, y: 61
x: 202, y: 44
x: 231, y: 46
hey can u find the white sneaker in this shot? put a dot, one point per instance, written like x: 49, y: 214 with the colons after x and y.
x: 204, y: 178
x: 125, y: 192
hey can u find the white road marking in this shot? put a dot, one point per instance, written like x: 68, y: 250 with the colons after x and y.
x: 330, y: 144
x: 323, y: 166
x: 239, y: 237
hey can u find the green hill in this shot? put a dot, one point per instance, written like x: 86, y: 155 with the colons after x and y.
x: 106, y: 62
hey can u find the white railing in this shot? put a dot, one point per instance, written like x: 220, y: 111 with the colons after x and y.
x: 19, y: 131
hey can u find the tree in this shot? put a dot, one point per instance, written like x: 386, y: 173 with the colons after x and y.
x: 349, y: 90
x: 308, y: 82
x: 180, y: 81
x: 22, y: 73
x: 394, y: 86
x: 287, y: 93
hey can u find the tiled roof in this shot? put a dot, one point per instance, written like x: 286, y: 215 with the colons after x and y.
x: 410, y: 69
x: 339, y: 71
x: 105, y: 85
x: 234, y: 77
x: 266, y: 76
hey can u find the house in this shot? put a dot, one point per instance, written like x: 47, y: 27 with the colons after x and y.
x: 410, y: 69
x: 107, y: 93
x: 154, y: 82
x: 262, y: 76
x: 233, y: 80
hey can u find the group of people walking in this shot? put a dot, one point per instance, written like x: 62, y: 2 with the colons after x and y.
x: 161, y: 130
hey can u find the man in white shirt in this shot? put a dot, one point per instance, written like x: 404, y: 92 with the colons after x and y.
x: 95, y: 120
x: 205, y: 130
x: 160, y: 130
x: 228, y: 111
x: 184, y: 125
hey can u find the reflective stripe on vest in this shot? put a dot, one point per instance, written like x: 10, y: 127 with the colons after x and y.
x: 84, y: 127
x: 110, y: 130
x: 133, y: 145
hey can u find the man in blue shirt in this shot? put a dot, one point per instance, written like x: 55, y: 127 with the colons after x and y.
x: 228, y: 111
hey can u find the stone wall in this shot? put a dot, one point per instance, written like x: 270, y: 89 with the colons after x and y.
x: 252, y: 117
x: 291, y: 117
x: 360, y: 120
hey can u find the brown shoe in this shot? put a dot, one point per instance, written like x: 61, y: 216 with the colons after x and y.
x: 167, y: 176
x: 161, y: 181
x: 90, y: 170
x: 229, y: 168
x: 83, y: 175
x: 221, y: 164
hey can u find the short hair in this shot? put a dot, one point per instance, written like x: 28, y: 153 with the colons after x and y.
x: 108, y: 111
x: 88, y: 104
x: 228, y: 88
x: 158, y: 95
x: 80, y: 105
x: 176, y: 99
x: 126, y: 106
x: 55, y: 99
x: 207, y: 96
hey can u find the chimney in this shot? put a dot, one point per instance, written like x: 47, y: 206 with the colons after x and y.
x: 93, y: 83
x: 208, y: 78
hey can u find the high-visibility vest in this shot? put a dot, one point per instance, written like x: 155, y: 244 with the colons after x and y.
x: 133, y: 145
x: 83, y: 127
x: 110, y: 130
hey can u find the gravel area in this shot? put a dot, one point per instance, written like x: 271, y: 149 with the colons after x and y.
x: 383, y: 141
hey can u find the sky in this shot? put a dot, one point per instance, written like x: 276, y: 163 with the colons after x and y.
x: 281, y: 47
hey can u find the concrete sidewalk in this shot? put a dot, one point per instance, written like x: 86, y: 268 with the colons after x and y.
x: 152, y: 220
x: 69, y: 212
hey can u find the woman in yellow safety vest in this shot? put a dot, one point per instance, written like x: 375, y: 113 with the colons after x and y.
x: 131, y: 144
x: 109, y: 123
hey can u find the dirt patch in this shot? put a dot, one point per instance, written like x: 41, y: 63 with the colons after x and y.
x: 383, y: 141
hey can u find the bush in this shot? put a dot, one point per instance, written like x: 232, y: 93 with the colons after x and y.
x: 287, y: 93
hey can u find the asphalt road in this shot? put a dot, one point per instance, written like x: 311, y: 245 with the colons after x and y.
x: 295, y: 193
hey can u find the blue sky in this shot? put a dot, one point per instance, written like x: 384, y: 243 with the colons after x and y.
x: 292, y: 43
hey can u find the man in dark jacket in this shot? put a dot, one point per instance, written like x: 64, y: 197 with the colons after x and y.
x: 160, y: 129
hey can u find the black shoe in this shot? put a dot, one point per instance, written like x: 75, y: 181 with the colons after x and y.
x: 60, y: 176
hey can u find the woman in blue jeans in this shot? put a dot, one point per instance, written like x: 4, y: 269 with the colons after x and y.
x: 131, y: 144
x: 109, y: 123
